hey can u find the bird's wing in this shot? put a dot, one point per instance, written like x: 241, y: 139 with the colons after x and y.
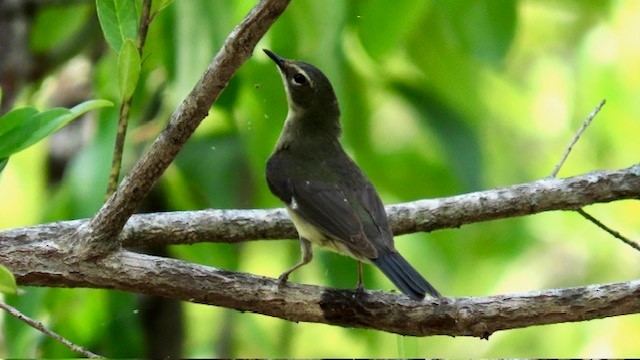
x: 377, y: 229
x: 329, y: 209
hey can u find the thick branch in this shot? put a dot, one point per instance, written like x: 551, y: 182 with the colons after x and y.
x: 37, y: 257
x: 98, y: 237
x: 423, y: 215
x: 39, y: 264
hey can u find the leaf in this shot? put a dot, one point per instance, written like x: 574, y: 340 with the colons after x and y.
x: 7, y: 281
x: 458, y: 138
x: 15, y: 117
x: 41, y: 125
x: 158, y: 5
x: 485, y: 29
x: 382, y: 25
x: 119, y: 21
x: 3, y: 163
x: 128, y: 68
x: 48, y: 31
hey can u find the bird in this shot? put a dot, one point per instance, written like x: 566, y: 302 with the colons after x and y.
x: 329, y: 198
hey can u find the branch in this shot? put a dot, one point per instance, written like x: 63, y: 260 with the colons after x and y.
x: 37, y: 257
x: 576, y: 137
x: 97, y: 237
x: 125, y: 106
x: 190, y: 227
x: 39, y: 264
x: 43, y: 329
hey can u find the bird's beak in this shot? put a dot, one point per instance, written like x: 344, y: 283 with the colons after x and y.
x: 276, y: 58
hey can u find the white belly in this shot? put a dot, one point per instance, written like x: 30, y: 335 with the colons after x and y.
x: 311, y: 233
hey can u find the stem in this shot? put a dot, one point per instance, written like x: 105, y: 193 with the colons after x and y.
x: 123, y: 119
x: 40, y: 327
x: 116, y: 163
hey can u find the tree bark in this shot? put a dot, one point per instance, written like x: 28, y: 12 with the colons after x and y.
x: 38, y: 257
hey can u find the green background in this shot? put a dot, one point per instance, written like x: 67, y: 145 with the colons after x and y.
x: 438, y: 98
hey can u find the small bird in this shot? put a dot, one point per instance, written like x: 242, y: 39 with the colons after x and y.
x: 331, y: 201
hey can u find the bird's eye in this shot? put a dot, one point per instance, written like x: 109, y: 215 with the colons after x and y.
x: 299, y: 79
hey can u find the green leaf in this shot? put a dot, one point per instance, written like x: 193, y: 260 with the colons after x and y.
x: 7, y: 281
x: 3, y: 163
x: 48, y: 31
x: 15, y: 117
x: 485, y: 29
x: 158, y: 5
x: 383, y: 25
x: 88, y: 106
x: 41, y: 125
x: 119, y: 21
x: 457, y: 136
x: 128, y: 68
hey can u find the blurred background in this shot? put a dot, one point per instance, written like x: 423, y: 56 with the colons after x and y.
x: 438, y: 98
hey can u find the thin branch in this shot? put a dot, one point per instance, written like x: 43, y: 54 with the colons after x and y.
x: 99, y: 237
x: 584, y: 126
x: 118, y: 147
x: 43, y: 329
x: 125, y: 106
x: 188, y: 227
x: 584, y: 214
x: 41, y: 265
x: 604, y: 227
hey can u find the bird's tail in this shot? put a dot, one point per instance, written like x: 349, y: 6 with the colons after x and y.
x: 404, y: 276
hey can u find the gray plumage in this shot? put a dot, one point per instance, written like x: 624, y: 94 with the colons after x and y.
x: 331, y: 201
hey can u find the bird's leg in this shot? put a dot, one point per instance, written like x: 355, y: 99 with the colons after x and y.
x: 307, y: 255
x: 360, y: 285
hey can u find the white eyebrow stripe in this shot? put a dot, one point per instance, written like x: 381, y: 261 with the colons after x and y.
x: 299, y: 69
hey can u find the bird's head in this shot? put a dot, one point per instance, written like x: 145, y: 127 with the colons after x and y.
x: 309, y: 93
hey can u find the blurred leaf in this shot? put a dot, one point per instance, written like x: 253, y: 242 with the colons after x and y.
x: 158, y: 5
x: 119, y: 21
x: 88, y: 106
x: 3, y: 163
x: 7, y: 280
x: 484, y: 29
x: 382, y: 24
x: 11, y: 119
x: 457, y: 137
x: 38, y: 126
x: 128, y: 68
x: 55, y: 25
x: 30, y: 130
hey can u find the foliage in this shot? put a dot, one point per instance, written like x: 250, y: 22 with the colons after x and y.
x: 23, y: 127
x: 438, y: 98
x: 7, y: 282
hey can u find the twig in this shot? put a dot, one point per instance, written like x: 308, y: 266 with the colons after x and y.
x: 581, y: 211
x: 40, y: 327
x: 585, y: 124
x: 118, y: 148
x: 98, y: 237
x: 125, y: 107
x: 604, y: 227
